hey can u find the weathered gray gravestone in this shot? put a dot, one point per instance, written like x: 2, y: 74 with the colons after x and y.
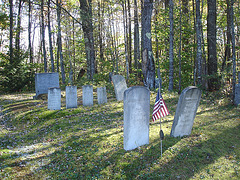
x: 71, y: 97
x: 186, y: 111
x: 87, y: 95
x: 54, y: 98
x: 136, y: 117
x: 119, y: 86
x: 102, y: 95
x: 43, y: 81
x: 237, y: 94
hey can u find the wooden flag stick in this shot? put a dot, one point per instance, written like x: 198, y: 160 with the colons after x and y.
x: 161, y: 132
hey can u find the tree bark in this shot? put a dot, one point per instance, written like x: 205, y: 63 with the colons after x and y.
x: 18, y: 31
x: 87, y: 25
x: 50, y: 38
x: 60, y: 40
x: 199, y: 44
x: 43, y: 37
x: 148, y: 66
x: 212, y: 49
x: 30, y: 31
x: 171, y: 56
x: 11, y: 32
x: 136, y: 39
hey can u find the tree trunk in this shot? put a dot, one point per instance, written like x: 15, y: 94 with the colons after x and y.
x: 60, y: 40
x: 129, y: 37
x: 148, y: 66
x: 86, y: 16
x: 171, y: 56
x: 29, y: 32
x: 50, y: 37
x: 136, y: 38
x: 180, y: 52
x: 212, y: 50
x: 233, y: 49
x: 199, y: 44
x: 43, y: 37
x: 11, y: 31
x: 18, y: 31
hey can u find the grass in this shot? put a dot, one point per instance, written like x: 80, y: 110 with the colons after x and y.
x: 87, y: 142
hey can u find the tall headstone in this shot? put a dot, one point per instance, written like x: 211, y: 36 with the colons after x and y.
x: 87, y: 95
x: 71, y: 97
x: 54, y: 98
x: 136, y: 117
x: 102, y: 95
x: 237, y: 94
x: 186, y: 111
x: 43, y: 81
x: 120, y: 86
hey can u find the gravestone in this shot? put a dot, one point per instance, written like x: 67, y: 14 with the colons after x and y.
x: 102, y: 95
x: 119, y: 86
x: 54, y: 98
x: 71, y: 97
x: 237, y: 94
x: 186, y: 111
x: 136, y: 117
x: 87, y: 95
x: 43, y: 81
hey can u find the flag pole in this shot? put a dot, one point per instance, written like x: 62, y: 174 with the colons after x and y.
x: 160, y: 133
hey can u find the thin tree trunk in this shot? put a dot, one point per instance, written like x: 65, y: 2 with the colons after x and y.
x: 129, y: 37
x: 233, y: 50
x: 50, y: 38
x: 18, y: 31
x: 199, y: 44
x: 11, y: 32
x: 29, y: 32
x: 171, y: 56
x: 60, y: 40
x: 43, y: 37
x: 180, y: 51
x: 136, y: 39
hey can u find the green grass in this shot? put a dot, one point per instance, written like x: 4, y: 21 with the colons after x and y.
x: 87, y: 142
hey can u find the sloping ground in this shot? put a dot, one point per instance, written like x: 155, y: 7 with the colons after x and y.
x: 87, y: 142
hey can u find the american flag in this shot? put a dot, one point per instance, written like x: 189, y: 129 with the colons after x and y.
x: 160, y: 108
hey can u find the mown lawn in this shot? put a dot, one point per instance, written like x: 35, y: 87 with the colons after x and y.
x: 87, y: 142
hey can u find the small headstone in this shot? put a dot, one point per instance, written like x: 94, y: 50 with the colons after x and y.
x: 71, y: 97
x: 54, y: 98
x: 186, y: 111
x: 102, y: 95
x: 120, y: 86
x: 43, y: 81
x: 136, y: 117
x: 87, y: 95
x: 237, y: 94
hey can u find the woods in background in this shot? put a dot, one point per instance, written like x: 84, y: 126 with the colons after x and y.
x: 191, y: 42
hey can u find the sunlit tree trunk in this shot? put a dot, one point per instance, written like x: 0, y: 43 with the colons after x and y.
x: 60, y: 40
x: 50, y: 38
x: 18, y: 31
x: 199, y: 44
x: 129, y: 37
x: 11, y: 31
x: 43, y: 36
x: 148, y: 66
x: 29, y: 32
x: 233, y: 49
x: 136, y: 39
x: 180, y: 52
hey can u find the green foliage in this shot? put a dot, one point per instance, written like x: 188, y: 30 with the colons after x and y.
x: 15, y: 76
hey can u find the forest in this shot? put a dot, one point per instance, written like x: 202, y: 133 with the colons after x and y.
x: 182, y: 43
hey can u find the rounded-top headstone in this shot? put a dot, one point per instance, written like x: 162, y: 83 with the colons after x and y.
x: 136, y: 117
x: 120, y: 86
x: 54, y: 98
x: 87, y: 95
x: 186, y: 111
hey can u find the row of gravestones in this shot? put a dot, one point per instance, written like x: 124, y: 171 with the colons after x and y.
x: 48, y: 83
